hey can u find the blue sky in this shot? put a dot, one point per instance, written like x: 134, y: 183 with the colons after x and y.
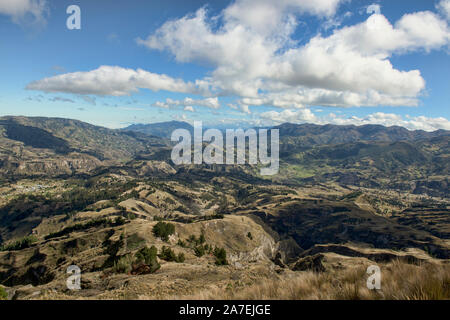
x: 228, y: 63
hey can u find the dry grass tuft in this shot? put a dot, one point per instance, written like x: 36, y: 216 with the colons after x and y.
x: 399, y: 281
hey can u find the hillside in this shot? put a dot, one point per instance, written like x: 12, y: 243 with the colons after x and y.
x: 73, y: 193
x: 55, y: 146
x: 160, y: 129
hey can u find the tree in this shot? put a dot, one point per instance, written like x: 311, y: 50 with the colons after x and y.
x: 163, y: 230
x: 221, y: 256
x: 199, y: 251
x: 169, y: 255
x: 202, y: 239
x: 148, y: 256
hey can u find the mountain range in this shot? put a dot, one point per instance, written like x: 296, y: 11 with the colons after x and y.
x: 345, y: 197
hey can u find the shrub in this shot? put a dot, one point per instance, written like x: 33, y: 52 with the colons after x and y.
x: 181, y: 243
x: 3, y: 294
x: 169, y: 255
x: 134, y: 241
x: 181, y: 257
x: 123, y: 265
x: 119, y: 221
x: 192, y: 238
x: 163, y: 230
x: 199, y: 251
x: 83, y: 226
x: 131, y: 216
x: 250, y: 236
x: 148, y: 256
x: 221, y: 256
x: 20, y: 244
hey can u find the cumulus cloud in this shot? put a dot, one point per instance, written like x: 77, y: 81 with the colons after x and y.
x: 189, y: 103
x: 265, y: 16
x: 321, y: 97
x: 245, y: 109
x: 254, y: 57
x: 25, y: 10
x: 113, y: 81
x: 444, y: 7
x: 385, y: 119
x: 352, y: 62
x: 292, y: 116
x: 374, y: 8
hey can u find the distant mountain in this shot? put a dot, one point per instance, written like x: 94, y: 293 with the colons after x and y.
x: 160, y: 129
x: 312, y: 134
x: 300, y: 137
x: 55, y: 146
x: 358, y: 155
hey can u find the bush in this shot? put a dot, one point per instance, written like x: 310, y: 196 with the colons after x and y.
x: 134, y: 241
x: 123, y: 265
x: 181, y: 243
x: 221, y: 256
x: 199, y: 251
x: 23, y: 243
x: 181, y: 257
x: 104, y: 222
x: 250, y: 236
x: 148, y: 256
x: 192, y: 238
x: 168, y: 254
x: 163, y: 230
x: 3, y: 294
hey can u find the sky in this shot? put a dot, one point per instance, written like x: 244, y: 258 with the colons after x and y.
x: 228, y: 63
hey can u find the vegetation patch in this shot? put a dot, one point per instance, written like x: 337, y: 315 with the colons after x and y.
x: 23, y: 243
x: 163, y: 230
x: 104, y: 222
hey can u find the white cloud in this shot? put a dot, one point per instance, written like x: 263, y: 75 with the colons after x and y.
x: 257, y: 59
x: 292, y: 116
x: 245, y: 109
x: 189, y: 108
x: 266, y: 16
x: 113, y: 81
x: 355, y: 58
x: 385, y: 119
x: 444, y: 7
x: 22, y: 10
x: 321, y: 97
x: 351, y: 65
x: 374, y: 8
x: 212, y: 103
x: 412, y: 123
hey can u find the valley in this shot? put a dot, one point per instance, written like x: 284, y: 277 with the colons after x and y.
x: 346, y: 197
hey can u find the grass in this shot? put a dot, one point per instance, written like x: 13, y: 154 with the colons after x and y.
x: 399, y: 281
